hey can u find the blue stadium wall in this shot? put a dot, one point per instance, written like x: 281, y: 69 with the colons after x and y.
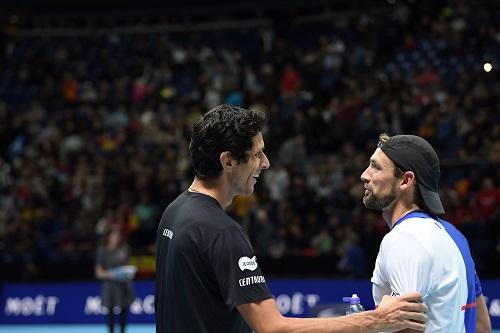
x: 77, y: 303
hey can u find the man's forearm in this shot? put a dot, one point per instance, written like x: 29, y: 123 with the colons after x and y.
x: 392, y: 315
x: 365, y: 322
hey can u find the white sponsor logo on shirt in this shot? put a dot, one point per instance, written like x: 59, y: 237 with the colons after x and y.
x: 168, y: 233
x: 251, y: 280
x: 247, y: 263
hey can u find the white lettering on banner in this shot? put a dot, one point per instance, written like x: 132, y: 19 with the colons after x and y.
x: 495, y: 307
x: 29, y: 306
x: 311, y: 300
x: 295, y: 304
x: 13, y: 306
x: 149, y: 304
x: 136, y: 307
x: 93, y: 306
x: 251, y: 280
x: 51, y: 305
x: 146, y: 306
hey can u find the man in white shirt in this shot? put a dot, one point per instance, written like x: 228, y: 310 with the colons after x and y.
x: 421, y: 252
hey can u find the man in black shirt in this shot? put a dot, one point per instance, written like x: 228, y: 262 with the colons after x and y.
x: 208, y: 278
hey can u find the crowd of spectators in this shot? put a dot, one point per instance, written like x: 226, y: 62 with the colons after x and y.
x: 94, y: 132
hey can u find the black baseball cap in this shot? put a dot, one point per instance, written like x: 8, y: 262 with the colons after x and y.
x: 412, y: 153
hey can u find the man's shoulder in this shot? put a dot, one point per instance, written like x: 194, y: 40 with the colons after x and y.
x: 415, y: 226
x: 197, y: 212
x: 193, y: 204
x: 419, y: 233
x: 411, y: 232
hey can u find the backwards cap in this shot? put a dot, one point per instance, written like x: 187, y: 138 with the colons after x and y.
x: 412, y: 153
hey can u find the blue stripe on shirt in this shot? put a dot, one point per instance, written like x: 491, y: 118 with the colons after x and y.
x: 472, y: 279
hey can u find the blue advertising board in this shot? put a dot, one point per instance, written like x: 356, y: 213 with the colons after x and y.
x: 75, y: 303
x: 313, y: 298
x: 65, y: 303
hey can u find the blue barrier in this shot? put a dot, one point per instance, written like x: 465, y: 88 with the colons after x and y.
x: 65, y: 303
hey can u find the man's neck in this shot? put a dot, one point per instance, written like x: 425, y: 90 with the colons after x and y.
x: 213, y: 189
x: 393, y: 214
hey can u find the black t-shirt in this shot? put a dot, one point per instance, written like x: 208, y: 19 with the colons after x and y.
x: 205, y: 266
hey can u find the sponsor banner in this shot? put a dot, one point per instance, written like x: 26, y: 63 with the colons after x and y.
x: 62, y: 303
x: 491, y: 292
x: 56, y: 303
x: 318, y: 298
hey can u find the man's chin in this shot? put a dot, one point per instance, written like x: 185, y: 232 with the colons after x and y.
x: 249, y: 190
x: 367, y: 201
x: 370, y: 203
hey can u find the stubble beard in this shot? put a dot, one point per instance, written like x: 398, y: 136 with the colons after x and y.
x: 379, y: 203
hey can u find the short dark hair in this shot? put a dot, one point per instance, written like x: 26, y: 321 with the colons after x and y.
x: 224, y: 128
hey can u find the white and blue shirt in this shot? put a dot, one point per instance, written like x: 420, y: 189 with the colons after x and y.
x: 426, y: 254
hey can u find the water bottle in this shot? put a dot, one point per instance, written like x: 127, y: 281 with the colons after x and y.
x: 354, y: 305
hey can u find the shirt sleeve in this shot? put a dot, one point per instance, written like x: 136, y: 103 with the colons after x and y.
x: 380, y: 287
x: 403, y: 265
x: 236, y: 269
x: 479, y: 289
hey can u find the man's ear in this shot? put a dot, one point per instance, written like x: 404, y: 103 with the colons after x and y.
x: 227, y: 162
x: 408, y: 179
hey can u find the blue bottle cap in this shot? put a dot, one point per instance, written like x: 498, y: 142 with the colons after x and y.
x: 351, y: 300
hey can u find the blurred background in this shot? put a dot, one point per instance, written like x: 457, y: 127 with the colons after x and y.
x: 97, y: 99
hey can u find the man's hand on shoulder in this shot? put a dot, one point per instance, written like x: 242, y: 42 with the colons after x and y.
x: 403, y: 312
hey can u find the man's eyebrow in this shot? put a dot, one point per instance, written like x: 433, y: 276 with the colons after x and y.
x: 375, y: 162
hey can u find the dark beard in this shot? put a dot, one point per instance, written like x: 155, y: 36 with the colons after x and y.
x: 373, y: 202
